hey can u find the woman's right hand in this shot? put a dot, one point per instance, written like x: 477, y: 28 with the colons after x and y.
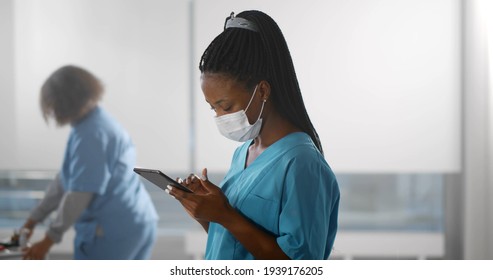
x: 30, y: 225
x: 207, y: 203
x: 38, y: 250
x: 193, y: 183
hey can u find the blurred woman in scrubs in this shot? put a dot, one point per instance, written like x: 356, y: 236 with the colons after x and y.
x: 279, y: 199
x: 96, y: 188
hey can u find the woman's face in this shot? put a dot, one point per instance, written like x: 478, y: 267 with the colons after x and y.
x: 226, y: 96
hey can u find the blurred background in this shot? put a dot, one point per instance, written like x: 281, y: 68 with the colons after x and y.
x: 399, y: 91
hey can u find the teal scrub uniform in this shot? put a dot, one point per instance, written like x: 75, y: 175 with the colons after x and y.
x: 288, y: 191
x: 120, y: 222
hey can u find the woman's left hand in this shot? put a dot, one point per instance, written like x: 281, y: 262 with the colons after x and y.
x: 38, y: 250
x: 209, y: 204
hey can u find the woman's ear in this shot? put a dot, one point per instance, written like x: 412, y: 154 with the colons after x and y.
x: 264, y: 90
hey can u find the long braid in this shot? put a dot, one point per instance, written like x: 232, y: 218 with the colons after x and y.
x: 250, y: 57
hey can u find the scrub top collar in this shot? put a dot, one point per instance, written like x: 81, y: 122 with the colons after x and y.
x: 296, y: 137
x: 89, y: 114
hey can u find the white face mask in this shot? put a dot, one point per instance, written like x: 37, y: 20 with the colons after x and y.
x: 235, y: 126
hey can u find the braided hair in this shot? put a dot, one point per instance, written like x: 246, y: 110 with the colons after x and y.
x: 250, y: 57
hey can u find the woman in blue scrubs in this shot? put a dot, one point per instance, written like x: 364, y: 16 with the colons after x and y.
x: 96, y: 188
x: 279, y: 199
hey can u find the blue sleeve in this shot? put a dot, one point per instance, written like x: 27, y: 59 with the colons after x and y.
x: 310, y: 194
x: 88, y: 169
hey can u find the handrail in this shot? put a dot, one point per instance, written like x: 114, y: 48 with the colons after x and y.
x: 27, y: 174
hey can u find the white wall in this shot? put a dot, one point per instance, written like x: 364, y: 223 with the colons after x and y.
x: 380, y: 79
x: 139, y: 50
x: 7, y: 110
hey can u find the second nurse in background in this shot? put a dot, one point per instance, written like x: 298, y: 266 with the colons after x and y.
x: 96, y: 188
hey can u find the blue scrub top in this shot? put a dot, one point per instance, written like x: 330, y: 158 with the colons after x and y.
x: 99, y: 158
x: 289, y: 191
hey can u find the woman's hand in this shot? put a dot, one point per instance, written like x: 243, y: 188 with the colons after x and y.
x: 38, y: 250
x: 193, y: 183
x: 30, y: 225
x: 207, y: 203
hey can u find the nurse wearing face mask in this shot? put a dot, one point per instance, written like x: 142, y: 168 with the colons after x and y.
x: 236, y: 126
x: 279, y: 199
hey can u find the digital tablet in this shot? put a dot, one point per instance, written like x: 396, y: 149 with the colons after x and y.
x: 160, y: 179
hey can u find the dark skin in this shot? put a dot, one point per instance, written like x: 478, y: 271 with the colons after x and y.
x: 208, y: 203
x: 39, y: 249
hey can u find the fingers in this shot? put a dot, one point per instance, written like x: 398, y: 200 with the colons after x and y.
x: 198, y: 185
x: 187, y: 200
x: 177, y: 193
x: 204, y: 175
x: 206, y: 183
x: 170, y: 190
x: 29, y: 254
x: 193, y: 182
x: 192, y: 178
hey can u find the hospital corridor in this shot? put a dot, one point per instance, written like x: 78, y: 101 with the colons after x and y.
x: 339, y: 130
